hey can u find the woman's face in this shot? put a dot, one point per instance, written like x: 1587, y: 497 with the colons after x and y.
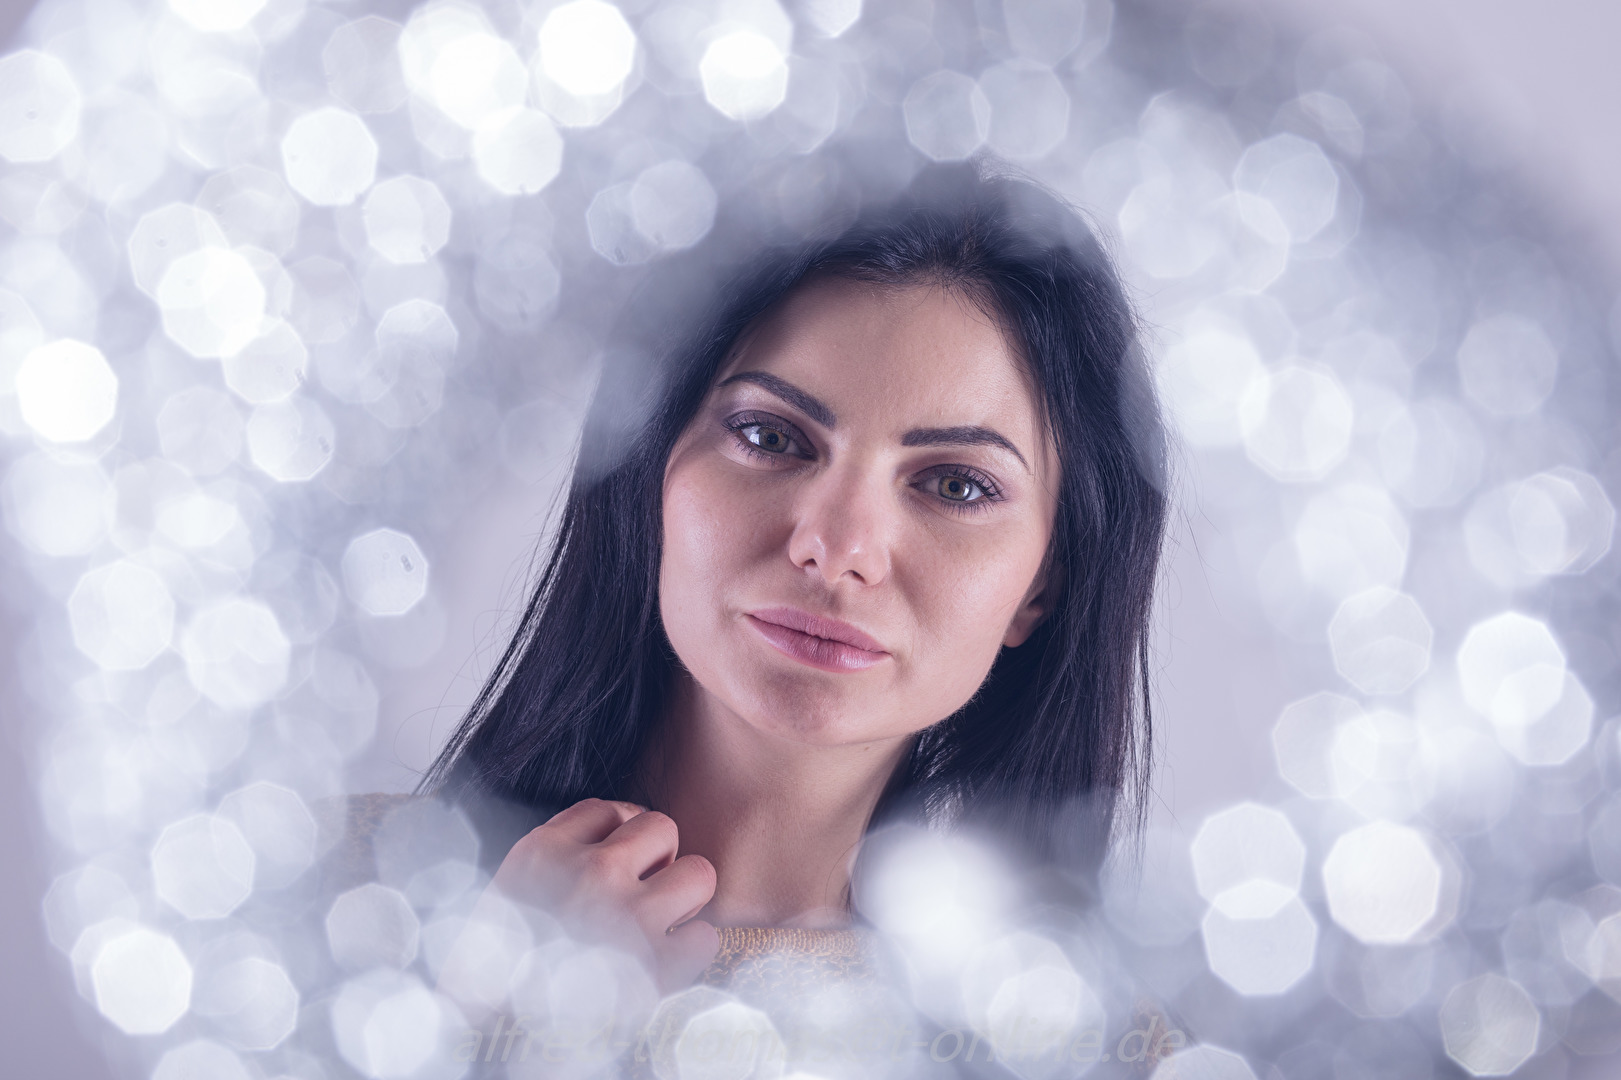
x: 856, y: 519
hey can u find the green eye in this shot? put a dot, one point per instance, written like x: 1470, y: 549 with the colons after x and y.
x: 768, y: 439
x: 959, y: 489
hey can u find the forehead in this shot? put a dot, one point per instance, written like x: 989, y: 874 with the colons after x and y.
x: 908, y: 355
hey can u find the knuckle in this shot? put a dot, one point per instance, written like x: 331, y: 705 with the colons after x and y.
x: 660, y: 824
x: 599, y: 861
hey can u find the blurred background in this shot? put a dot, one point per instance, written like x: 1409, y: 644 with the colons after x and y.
x: 298, y: 305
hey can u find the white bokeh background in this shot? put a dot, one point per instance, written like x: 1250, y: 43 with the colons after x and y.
x: 1526, y: 93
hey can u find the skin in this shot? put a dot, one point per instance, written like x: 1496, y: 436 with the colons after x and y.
x: 871, y: 455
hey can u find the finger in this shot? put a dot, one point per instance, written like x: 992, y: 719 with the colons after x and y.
x: 674, y: 894
x: 646, y: 843
x: 683, y: 954
x: 591, y: 821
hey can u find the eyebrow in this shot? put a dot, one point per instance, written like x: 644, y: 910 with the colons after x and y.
x: 787, y: 391
x: 962, y: 436
x: 817, y: 410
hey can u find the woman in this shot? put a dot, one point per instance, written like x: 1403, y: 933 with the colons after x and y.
x: 878, y: 543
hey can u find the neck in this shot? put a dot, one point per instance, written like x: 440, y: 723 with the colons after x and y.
x: 780, y: 819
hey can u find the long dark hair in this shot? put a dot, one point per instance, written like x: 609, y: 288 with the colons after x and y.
x: 1051, y: 748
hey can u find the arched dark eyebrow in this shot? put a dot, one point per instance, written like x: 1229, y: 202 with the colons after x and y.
x: 787, y: 391
x: 818, y: 411
x: 961, y: 436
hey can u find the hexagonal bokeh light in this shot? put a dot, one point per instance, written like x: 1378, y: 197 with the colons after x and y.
x: 1383, y: 883
x: 302, y: 303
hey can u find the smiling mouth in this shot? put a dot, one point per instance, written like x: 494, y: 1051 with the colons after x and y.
x: 819, y: 643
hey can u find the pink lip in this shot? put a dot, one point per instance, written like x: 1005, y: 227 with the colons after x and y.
x: 822, y: 643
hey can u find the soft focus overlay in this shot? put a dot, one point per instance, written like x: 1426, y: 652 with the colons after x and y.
x: 287, y: 287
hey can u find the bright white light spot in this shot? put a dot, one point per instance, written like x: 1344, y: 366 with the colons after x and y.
x: 1296, y: 177
x: 329, y: 156
x: 202, y: 867
x: 1599, y: 957
x: 1558, y: 734
x: 66, y: 391
x: 196, y: 520
x: 277, y: 825
x: 407, y: 219
x: 745, y: 75
x: 830, y: 18
x: 1511, y: 669
x: 1381, y: 640
x: 1297, y: 423
x: 947, y: 115
x: 941, y: 894
x: 1382, y: 882
x: 213, y: 302
x: 475, y: 78
x: 586, y: 47
x: 1378, y: 765
x: 142, y: 981
x: 385, y: 572
x: 430, y: 30
x: 1303, y: 738
x: 403, y: 380
x: 1047, y: 31
x: 519, y: 154
x: 1556, y: 522
x: 1175, y: 223
x: 757, y: 1048
x: 1489, y: 1025
x: 1203, y: 378
x: 236, y: 654
x: 200, y: 1059
x: 1260, y: 954
x: 1244, y: 843
x: 1508, y: 365
x: 270, y: 367
x: 164, y: 235
x: 39, y: 106
x: 57, y: 507
x: 372, y: 926
x: 387, y: 1024
x: 122, y: 616
x: 362, y: 66
x: 1204, y: 1062
x: 1430, y: 453
x: 215, y: 16
x: 1562, y: 520
x: 1026, y: 984
x: 673, y: 204
x: 290, y: 440
x: 1351, y: 538
x: 252, y: 1001
x: 610, y: 221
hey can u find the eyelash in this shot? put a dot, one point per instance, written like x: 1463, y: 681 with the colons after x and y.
x: 990, y: 493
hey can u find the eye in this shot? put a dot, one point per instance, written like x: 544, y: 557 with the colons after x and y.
x: 765, y: 436
x: 769, y: 439
x: 958, y: 489
x: 964, y: 489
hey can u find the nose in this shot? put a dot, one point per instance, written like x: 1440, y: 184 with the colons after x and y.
x: 843, y: 527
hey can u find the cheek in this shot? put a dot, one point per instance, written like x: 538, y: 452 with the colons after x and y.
x: 712, y: 533
x: 966, y: 604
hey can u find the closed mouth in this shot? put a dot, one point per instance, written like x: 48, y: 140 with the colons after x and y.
x: 821, y: 643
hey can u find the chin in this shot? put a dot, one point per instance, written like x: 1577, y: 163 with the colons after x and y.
x: 809, y: 710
